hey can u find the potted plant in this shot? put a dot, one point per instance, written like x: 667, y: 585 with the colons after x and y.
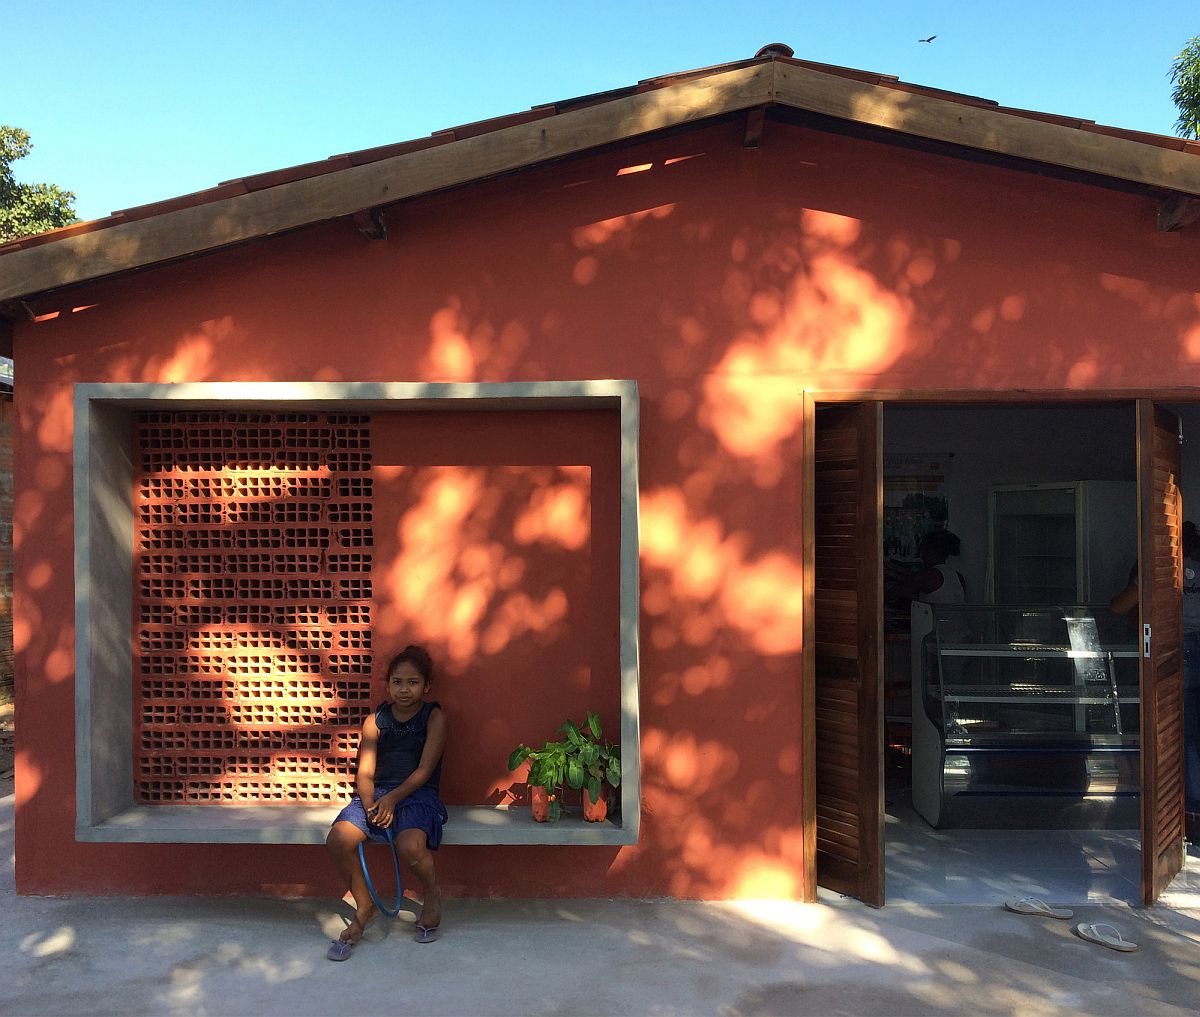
x: 591, y: 763
x: 547, y: 768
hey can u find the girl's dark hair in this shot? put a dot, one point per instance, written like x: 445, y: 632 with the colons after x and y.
x: 419, y: 657
x: 942, y: 542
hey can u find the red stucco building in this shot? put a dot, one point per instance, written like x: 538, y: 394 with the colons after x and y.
x: 591, y: 400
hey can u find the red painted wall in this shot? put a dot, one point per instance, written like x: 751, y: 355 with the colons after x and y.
x: 497, y: 542
x: 725, y: 281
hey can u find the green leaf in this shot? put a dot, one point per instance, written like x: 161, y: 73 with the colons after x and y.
x: 589, y: 753
x: 575, y: 774
x: 554, y: 811
x: 519, y: 755
x: 594, y: 789
x: 1185, y: 77
x: 593, y: 723
x: 614, y: 771
x: 573, y: 733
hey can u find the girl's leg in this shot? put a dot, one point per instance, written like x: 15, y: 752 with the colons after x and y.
x: 342, y: 844
x: 415, y: 853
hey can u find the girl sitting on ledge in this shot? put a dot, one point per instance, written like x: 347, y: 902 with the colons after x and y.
x: 399, y: 765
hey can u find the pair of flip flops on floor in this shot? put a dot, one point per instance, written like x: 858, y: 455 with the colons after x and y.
x: 1094, y: 932
x: 340, y: 949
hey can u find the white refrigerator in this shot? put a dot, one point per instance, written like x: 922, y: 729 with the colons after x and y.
x: 1061, y: 543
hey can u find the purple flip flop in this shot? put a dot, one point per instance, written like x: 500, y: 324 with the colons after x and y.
x: 339, y: 950
x: 427, y: 934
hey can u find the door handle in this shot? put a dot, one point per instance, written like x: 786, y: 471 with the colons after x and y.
x: 1146, y: 641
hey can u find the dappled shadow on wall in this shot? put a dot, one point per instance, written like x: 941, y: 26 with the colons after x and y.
x: 724, y: 309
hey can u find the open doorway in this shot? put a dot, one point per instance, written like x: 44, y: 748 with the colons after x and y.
x: 1011, y: 693
x: 1055, y: 724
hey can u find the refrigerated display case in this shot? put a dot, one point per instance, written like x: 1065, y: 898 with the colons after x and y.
x: 1022, y: 705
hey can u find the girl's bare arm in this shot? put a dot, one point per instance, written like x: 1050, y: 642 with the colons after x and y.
x: 368, y: 742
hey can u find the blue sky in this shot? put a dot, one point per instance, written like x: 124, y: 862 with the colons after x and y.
x: 130, y: 102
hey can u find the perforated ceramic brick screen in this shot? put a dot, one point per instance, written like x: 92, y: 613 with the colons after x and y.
x: 252, y: 604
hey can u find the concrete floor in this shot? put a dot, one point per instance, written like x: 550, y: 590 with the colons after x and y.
x: 257, y: 956
x: 978, y: 866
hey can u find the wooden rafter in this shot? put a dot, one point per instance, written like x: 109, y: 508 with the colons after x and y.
x: 371, y: 223
x: 1177, y: 211
x: 755, y: 119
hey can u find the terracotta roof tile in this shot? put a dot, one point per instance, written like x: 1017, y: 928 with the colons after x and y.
x: 940, y: 93
x: 870, y: 77
x: 1158, y: 140
x: 285, y: 176
x: 488, y: 126
x: 227, y: 190
x: 367, y: 155
x: 662, y: 80
x: 75, y: 229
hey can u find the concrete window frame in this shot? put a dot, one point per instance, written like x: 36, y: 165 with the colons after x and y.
x: 103, y: 498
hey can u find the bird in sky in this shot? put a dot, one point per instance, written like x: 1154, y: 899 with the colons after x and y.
x: 930, y: 39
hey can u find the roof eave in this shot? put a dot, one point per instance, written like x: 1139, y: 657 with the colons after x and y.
x: 987, y: 129
x: 185, y: 232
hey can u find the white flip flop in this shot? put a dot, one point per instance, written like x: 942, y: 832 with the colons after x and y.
x: 1105, y: 935
x: 1037, y: 907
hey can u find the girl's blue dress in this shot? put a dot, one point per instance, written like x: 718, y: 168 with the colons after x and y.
x: 397, y: 755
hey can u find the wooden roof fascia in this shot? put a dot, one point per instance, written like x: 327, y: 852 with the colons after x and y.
x: 199, y: 228
x: 792, y: 115
x: 986, y: 129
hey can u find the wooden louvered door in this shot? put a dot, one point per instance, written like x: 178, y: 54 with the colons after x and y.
x: 1160, y: 571
x: 847, y: 470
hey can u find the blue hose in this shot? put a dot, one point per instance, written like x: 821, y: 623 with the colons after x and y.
x: 391, y: 912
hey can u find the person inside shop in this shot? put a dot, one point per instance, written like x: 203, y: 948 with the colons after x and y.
x: 935, y: 582
x: 1126, y: 601
x: 1191, y: 681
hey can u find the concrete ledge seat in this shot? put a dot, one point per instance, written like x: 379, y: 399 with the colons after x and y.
x: 308, y: 824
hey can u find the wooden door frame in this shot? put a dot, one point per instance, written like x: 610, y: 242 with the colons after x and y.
x: 949, y: 398
x: 1161, y: 858
x: 808, y: 690
x: 849, y: 662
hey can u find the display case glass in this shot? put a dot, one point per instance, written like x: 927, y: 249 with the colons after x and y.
x: 1022, y: 702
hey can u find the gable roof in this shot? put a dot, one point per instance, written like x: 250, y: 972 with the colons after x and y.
x: 356, y: 183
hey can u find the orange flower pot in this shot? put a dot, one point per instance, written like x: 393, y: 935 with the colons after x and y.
x: 595, y: 812
x: 539, y: 804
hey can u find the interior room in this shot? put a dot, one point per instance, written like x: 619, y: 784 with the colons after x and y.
x: 1011, y: 713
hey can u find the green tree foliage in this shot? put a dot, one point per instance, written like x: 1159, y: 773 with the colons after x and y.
x: 26, y: 209
x: 1185, y: 93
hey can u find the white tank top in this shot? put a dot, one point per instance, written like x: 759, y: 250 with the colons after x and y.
x: 950, y: 592
x: 1191, y: 595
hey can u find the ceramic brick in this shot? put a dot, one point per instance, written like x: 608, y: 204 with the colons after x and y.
x: 252, y: 618
x: 355, y: 536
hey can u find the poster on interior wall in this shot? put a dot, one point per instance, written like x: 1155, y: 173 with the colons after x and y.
x: 914, y: 503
